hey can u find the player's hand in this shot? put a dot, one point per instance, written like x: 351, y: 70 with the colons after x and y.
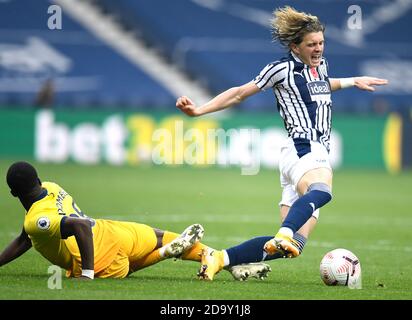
x: 187, y: 106
x: 367, y: 83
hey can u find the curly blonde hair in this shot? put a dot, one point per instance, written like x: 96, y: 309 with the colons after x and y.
x: 290, y: 26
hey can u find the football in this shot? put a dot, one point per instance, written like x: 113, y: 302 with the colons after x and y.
x: 340, y: 267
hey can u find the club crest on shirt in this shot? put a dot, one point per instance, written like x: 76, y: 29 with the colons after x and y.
x: 43, y: 223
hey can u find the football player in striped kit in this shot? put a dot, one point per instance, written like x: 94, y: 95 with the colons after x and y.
x: 302, y: 87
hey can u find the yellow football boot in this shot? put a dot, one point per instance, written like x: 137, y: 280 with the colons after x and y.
x: 286, y: 246
x: 210, y: 264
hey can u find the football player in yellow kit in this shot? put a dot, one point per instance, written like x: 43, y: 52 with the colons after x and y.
x: 56, y: 227
x: 86, y: 248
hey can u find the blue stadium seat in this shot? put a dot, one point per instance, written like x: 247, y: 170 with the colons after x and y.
x: 221, y: 43
x: 86, y: 72
x: 226, y: 42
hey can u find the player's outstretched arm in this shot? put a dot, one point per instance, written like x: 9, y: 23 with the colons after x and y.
x: 81, y: 229
x: 222, y: 101
x: 16, y: 248
x: 363, y: 83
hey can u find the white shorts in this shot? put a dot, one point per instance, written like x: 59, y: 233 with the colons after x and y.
x: 292, y: 168
x: 289, y: 196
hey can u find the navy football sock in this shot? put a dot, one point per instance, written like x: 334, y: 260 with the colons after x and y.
x: 300, y: 240
x: 248, y: 251
x: 252, y: 250
x: 302, y: 209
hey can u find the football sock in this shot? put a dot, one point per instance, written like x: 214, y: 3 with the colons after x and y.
x: 154, y: 256
x: 252, y: 250
x: 194, y: 253
x: 143, y: 262
x: 248, y: 251
x: 157, y: 255
x: 300, y: 241
x: 226, y: 259
x: 302, y: 209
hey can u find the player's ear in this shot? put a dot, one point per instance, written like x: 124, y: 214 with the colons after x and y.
x: 294, y: 48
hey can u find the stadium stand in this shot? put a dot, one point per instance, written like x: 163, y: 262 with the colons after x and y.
x: 85, y: 71
x: 226, y: 42
x: 219, y: 43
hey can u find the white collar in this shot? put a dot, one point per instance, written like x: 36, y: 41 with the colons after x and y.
x: 296, y: 57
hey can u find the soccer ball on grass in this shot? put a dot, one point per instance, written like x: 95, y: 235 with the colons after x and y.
x: 340, y: 267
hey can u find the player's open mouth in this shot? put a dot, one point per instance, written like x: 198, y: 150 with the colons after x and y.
x: 316, y: 59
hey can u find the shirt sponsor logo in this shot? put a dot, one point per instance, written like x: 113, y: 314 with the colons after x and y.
x: 318, y: 87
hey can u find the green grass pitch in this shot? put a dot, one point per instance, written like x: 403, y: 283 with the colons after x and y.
x: 369, y: 215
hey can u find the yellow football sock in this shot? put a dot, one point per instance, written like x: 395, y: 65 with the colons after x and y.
x: 169, y: 237
x: 148, y: 260
x: 154, y: 257
x: 195, y: 252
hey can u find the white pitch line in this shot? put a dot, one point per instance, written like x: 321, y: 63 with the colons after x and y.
x: 255, y: 219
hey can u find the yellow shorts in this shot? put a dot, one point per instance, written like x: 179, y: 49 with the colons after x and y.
x: 136, y: 241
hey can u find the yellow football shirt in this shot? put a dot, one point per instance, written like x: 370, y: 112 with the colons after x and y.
x: 43, y: 225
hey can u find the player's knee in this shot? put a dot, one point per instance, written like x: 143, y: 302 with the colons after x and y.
x: 323, y: 193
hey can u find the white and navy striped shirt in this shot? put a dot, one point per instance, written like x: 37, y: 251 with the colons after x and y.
x: 303, y: 98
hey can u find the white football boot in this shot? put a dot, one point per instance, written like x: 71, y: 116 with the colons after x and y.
x: 185, y: 241
x: 242, y: 272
